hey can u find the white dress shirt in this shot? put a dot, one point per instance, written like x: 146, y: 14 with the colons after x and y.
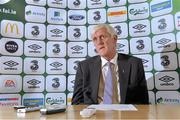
x: 104, y: 68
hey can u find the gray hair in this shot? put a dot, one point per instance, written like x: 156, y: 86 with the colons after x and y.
x: 109, y: 29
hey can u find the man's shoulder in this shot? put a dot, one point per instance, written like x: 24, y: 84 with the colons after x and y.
x: 90, y: 59
x: 129, y: 58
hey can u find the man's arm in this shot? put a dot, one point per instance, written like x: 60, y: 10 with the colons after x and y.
x: 137, y: 92
x: 78, y: 86
x: 143, y: 92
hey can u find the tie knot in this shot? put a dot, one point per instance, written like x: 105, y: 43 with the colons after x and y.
x: 108, y: 63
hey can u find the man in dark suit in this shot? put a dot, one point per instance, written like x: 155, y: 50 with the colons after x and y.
x: 129, y: 83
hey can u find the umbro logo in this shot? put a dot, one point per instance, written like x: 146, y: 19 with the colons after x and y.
x: 56, y: 64
x: 34, y: 82
x: 116, y: 0
x: 139, y: 27
x: 57, y: 1
x: 36, y: 0
x: 73, y: 81
x: 144, y: 61
x: 119, y: 45
x: 166, y: 79
x: 34, y: 47
x: 163, y: 41
x: 95, y: 0
x: 77, y: 48
x: 56, y: 31
x: 11, y: 63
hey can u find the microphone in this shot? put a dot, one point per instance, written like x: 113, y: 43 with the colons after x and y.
x: 53, y: 109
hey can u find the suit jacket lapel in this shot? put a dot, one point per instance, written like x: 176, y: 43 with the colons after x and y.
x: 123, y: 69
x: 95, y: 78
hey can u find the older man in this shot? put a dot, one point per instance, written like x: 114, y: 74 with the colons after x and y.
x: 110, y: 77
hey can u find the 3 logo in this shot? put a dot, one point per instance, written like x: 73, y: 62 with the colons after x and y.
x: 55, y: 83
x: 35, y: 31
x: 118, y: 29
x: 76, y: 64
x: 140, y: 45
x: 56, y: 48
x: 77, y: 33
x: 97, y: 15
x: 34, y: 66
x: 165, y: 60
x: 162, y: 24
x: 76, y: 2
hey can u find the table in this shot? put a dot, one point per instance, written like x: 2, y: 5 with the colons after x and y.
x: 144, y: 112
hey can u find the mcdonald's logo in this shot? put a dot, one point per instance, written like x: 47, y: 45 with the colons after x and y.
x: 13, y: 27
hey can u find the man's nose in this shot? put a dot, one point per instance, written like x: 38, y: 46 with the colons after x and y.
x: 99, y: 41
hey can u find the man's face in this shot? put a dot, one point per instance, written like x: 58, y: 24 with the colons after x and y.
x: 105, y: 43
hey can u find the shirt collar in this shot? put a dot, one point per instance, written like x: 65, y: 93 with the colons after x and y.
x: 114, y: 60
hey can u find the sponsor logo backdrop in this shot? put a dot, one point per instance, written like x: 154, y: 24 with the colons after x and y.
x: 43, y: 40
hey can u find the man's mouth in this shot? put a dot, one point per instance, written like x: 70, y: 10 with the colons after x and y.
x: 101, y: 48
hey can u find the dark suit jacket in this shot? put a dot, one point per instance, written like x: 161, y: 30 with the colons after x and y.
x: 133, y: 87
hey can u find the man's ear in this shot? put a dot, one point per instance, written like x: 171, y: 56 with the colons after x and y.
x: 115, y: 38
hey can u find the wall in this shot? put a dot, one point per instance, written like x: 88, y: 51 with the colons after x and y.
x: 42, y: 42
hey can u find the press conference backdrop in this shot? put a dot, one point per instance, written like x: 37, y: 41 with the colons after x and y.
x: 41, y: 42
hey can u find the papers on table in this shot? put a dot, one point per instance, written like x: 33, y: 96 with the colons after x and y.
x: 119, y: 107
